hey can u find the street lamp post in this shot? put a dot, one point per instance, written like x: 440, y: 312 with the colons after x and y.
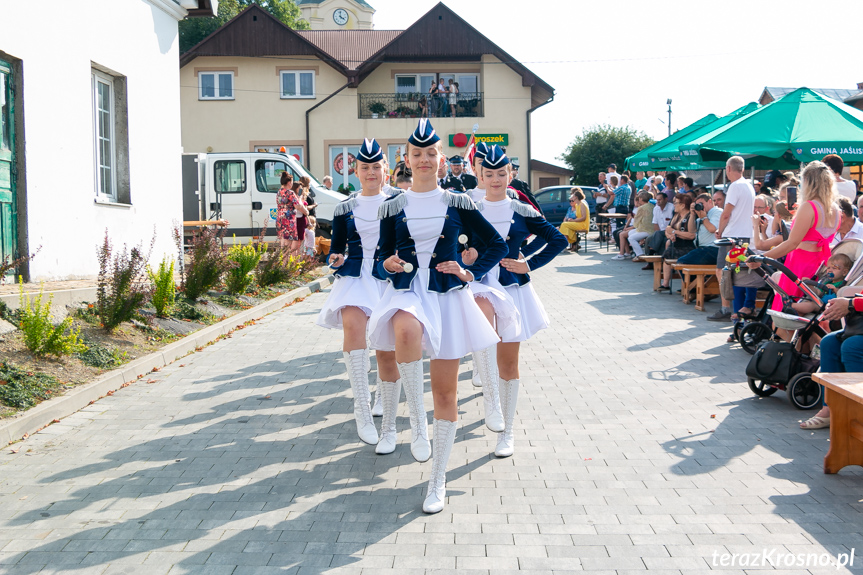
x: 669, y: 115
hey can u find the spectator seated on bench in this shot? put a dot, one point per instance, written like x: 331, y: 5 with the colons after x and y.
x: 663, y: 211
x: 577, y: 220
x: 706, y: 224
x: 642, y: 226
x: 681, y: 236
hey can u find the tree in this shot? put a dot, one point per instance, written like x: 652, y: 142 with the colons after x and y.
x: 599, y: 146
x: 193, y: 30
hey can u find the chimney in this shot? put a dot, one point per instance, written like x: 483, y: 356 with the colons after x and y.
x: 860, y: 85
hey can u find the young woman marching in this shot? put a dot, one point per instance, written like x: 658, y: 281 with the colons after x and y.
x: 355, y: 294
x: 514, y: 221
x: 428, y: 304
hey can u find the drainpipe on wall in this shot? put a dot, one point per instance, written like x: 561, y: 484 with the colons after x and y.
x: 308, y: 137
x: 549, y: 101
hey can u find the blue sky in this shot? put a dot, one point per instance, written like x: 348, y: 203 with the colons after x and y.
x: 617, y: 61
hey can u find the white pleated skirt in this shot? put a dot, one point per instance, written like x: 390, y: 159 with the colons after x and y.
x: 363, y: 292
x: 453, y: 325
x: 506, y: 313
x: 531, y: 312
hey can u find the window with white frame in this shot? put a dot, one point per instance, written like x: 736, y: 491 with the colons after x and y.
x: 110, y: 136
x: 409, y: 83
x: 215, y: 85
x: 103, y: 127
x: 298, y: 83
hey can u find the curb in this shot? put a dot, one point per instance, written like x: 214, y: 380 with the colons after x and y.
x: 48, y: 411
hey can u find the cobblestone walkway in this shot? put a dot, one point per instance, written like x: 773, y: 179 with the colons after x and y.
x: 639, y: 447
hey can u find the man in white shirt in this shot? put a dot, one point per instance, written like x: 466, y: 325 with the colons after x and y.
x: 849, y: 226
x: 612, y: 171
x: 845, y: 188
x: 736, y: 220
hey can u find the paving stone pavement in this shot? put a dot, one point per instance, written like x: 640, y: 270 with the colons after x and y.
x: 243, y: 459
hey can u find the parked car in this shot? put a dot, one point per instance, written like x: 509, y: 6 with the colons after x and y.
x: 554, y: 201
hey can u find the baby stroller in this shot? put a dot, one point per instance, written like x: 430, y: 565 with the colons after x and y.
x: 778, y: 365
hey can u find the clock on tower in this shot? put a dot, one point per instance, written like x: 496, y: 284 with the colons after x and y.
x: 340, y: 16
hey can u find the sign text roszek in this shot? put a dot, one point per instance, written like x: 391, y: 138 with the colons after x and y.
x: 499, y: 139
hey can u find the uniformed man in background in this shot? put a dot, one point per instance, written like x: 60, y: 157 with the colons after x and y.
x: 454, y: 180
x: 468, y: 180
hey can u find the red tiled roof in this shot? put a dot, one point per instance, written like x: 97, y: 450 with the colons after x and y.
x: 351, y: 48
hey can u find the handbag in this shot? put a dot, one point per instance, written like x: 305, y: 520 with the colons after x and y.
x: 853, y: 326
x: 726, y: 285
x: 748, y: 278
x: 774, y: 361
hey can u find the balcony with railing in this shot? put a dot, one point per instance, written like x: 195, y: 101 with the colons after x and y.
x: 419, y: 105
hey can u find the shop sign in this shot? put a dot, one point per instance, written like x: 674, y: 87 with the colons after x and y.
x: 460, y: 140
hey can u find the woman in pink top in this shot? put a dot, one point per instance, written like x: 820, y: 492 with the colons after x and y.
x: 816, y: 222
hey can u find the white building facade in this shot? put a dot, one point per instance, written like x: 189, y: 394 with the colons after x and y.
x: 90, y: 129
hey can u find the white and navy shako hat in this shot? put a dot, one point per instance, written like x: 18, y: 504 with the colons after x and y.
x: 495, y: 159
x: 370, y: 152
x: 424, y: 136
x: 481, y: 150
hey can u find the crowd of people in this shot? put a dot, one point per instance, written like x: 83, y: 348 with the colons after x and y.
x: 792, y: 217
x: 421, y: 269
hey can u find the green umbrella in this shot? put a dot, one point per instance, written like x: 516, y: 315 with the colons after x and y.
x: 799, y: 127
x: 676, y: 155
x: 641, y: 161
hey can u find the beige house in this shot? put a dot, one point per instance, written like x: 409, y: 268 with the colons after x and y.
x: 544, y: 175
x: 255, y: 84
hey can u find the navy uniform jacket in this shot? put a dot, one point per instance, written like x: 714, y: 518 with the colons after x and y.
x: 469, y: 181
x: 526, y: 221
x: 461, y: 214
x: 346, y: 236
x: 453, y: 183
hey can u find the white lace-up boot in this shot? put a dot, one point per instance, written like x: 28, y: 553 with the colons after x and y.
x: 377, y: 408
x: 356, y: 363
x: 444, y: 437
x: 390, y: 392
x: 412, y: 382
x: 508, y: 399
x: 486, y: 365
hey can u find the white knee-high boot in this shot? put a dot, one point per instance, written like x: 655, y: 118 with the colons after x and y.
x: 390, y: 393
x: 508, y: 399
x: 359, y: 377
x: 444, y: 437
x: 477, y: 381
x: 486, y: 364
x: 377, y: 409
x: 412, y: 382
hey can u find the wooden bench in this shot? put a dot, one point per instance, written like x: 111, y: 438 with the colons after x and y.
x: 657, y: 269
x: 844, y: 395
x: 690, y: 275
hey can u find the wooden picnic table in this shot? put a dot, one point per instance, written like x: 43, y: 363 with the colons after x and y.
x: 844, y: 395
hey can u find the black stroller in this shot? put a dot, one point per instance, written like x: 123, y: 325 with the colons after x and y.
x: 778, y: 365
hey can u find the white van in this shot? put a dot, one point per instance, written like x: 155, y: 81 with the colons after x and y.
x: 241, y: 187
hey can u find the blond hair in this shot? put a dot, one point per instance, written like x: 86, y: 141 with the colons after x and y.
x: 819, y: 184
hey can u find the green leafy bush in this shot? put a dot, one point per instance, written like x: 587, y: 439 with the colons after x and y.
x: 121, y: 287
x: 101, y: 356
x: 245, y: 259
x: 23, y: 389
x: 41, y: 336
x: 185, y: 310
x: 274, y: 268
x: 164, y: 290
x: 207, y: 263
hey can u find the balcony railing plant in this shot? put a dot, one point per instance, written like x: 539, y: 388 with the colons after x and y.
x: 419, y: 105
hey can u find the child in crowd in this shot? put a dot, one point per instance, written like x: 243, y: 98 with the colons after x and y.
x: 838, y: 266
x: 309, y: 236
x: 403, y: 181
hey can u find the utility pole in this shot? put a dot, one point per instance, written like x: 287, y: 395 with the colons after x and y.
x: 669, y: 115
